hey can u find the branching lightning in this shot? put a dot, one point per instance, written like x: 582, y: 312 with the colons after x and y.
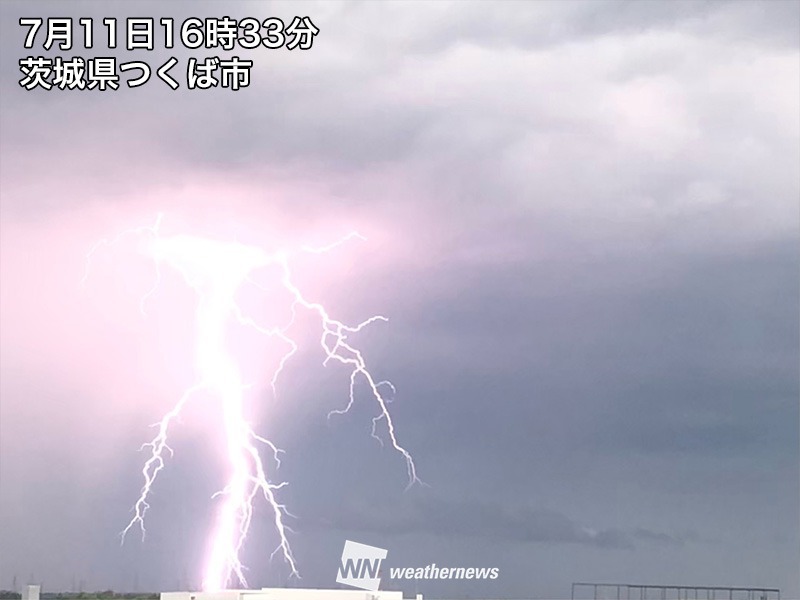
x: 215, y: 270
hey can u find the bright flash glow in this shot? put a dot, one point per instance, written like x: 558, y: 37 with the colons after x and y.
x: 216, y: 270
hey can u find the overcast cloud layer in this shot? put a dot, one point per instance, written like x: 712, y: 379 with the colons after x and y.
x: 582, y: 222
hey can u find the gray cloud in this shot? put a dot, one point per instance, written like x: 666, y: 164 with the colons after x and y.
x: 585, y: 237
x: 496, y: 523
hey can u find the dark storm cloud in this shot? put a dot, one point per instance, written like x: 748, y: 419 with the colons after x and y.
x: 658, y: 537
x: 495, y: 522
x: 353, y: 114
x: 593, y: 307
x: 453, y: 519
x: 544, y: 25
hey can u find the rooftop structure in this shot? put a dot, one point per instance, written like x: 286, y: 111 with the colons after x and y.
x: 285, y: 594
x: 637, y: 591
x: 31, y: 592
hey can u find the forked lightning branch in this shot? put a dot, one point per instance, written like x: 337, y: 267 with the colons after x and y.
x: 216, y: 270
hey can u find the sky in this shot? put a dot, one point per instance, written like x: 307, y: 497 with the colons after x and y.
x: 581, y: 222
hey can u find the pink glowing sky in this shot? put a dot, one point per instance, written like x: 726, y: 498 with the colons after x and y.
x: 581, y: 221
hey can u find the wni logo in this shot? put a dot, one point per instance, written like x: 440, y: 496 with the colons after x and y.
x: 361, y: 566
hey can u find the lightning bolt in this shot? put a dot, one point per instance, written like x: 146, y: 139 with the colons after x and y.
x: 215, y: 270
